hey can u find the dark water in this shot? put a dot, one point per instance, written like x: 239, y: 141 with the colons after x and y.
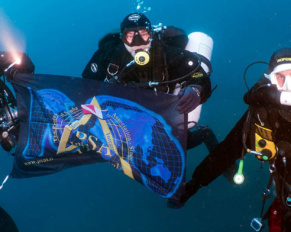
x: 60, y: 39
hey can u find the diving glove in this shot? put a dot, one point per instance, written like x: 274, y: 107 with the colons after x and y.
x: 191, y: 188
x: 189, y: 99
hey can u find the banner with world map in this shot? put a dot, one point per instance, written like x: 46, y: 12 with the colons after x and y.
x: 67, y: 121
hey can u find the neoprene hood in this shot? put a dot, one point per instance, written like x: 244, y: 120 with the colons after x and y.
x: 135, y: 21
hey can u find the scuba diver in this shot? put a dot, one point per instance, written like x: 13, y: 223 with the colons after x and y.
x: 162, y: 59
x: 6, y: 222
x: 152, y: 57
x: 10, y: 63
x: 265, y: 131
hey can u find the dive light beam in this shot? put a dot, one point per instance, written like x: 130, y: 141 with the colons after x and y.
x: 11, y: 39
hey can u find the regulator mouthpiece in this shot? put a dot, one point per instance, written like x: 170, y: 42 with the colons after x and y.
x: 239, y: 176
x: 141, y: 57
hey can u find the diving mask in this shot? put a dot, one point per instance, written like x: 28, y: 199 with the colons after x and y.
x: 278, y: 78
x: 136, y: 37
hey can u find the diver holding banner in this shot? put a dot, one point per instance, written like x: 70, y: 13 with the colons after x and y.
x: 264, y: 131
x: 163, y: 59
x: 155, y: 57
x: 66, y: 123
x: 63, y: 122
x: 11, y: 62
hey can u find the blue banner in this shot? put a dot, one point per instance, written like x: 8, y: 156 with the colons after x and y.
x: 67, y: 121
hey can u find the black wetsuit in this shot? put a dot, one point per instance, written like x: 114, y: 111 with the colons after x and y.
x: 265, y: 110
x: 166, y: 63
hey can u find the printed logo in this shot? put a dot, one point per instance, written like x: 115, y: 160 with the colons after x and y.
x: 94, y: 67
x: 197, y: 74
x: 82, y: 135
x: 283, y: 59
x: 134, y: 17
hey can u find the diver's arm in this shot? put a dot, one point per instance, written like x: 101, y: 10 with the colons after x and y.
x: 97, y: 66
x: 93, y: 69
x: 201, y: 78
x: 182, y: 63
x: 218, y: 161
x: 224, y: 155
x: 203, y: 85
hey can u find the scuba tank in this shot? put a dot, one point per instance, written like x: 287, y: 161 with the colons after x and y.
x: 201, y: 44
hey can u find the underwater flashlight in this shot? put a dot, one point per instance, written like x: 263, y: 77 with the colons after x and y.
x: 141, y: 57
x: 18, y: 61
x: 239, y: 176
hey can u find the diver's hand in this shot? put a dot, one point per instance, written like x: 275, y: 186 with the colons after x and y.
x: 112, y: 80
x: 10, y: 73
x: 191, y: 188
x: 189, y: 99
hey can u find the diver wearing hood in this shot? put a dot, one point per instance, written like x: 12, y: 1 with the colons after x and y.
x: 145, y: 56
x: 265, y: 131
x: 274, y: 87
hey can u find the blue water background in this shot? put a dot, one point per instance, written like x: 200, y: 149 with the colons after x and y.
x: 61, y: 36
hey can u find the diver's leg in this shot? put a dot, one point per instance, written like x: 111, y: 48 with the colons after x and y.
x: 203, y: 134
x: 6, y: 222
x: 217, y: 162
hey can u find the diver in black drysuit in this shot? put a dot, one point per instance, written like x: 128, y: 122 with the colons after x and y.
x: 166, y: 62
x: 7, y: 103
x: 271, y: 120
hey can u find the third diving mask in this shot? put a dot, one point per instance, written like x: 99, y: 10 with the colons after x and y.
x: 283, y: 84
x: 286, y: 86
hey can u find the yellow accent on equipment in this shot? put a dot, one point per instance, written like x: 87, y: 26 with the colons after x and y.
x: 264, y: 143
x: 141, y: 58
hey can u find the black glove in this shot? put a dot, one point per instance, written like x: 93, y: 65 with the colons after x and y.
x: 112, y: 80
x: 189, y: 99
x: 190, y: 189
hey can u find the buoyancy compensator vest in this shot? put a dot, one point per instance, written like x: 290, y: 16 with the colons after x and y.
x: 261, y: 135
x: 156, y: 69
